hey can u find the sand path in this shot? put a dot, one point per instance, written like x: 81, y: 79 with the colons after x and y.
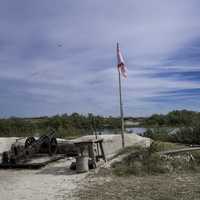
x: 55, y: 181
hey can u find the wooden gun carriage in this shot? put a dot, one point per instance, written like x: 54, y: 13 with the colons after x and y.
x: 20, y: 153
x: 89, y: 153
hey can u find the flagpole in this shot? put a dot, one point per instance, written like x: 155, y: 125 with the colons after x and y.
x: 121, y: 110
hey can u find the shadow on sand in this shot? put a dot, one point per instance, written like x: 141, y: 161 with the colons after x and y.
x: 55, y: 170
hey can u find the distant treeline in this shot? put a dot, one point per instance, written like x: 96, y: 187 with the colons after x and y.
x: 65, y: 125
x: 184, y: 135
x: 76, y: 124
x: 174, y: 118
x: 186, y: 124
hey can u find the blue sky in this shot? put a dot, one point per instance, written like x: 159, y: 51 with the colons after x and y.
x: 60, y: 56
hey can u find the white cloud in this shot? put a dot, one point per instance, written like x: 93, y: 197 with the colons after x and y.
x: 65, y: 51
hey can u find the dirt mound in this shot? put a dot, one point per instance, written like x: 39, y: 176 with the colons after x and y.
x: 112, y: 142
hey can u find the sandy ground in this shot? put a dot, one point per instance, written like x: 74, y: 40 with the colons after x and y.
x: 55, y: 181
x: 112, y: 142
x: 5, y: 143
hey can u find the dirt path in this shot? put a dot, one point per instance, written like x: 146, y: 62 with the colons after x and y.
x: 55, y: 181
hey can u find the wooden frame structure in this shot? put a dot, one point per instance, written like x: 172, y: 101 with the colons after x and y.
x: 93, y: 148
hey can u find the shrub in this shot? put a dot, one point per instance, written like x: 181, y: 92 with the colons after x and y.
x: 143, y: 161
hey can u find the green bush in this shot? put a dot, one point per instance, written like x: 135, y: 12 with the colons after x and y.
x: 185, y: 135
x: 158, y: 133
x: 143, y: 161
x: 188, y: 135
x: 65, y: 125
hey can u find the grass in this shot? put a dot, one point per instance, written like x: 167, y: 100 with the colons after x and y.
x: 162, y: 187
x: 164, y: 146
x: 144, y: 161
x: 143, y: 175
x: 155, y: 146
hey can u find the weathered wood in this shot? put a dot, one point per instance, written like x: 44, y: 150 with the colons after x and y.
x: 21, y: 153
x: 102, y: 151
x: 179, y: 150
x: 90, y: 146
x: 32, y: 165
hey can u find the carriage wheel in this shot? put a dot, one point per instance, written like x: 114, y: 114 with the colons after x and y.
x: 5, y: 157
x: 53, y: 146
x: 44, y: 147
x: 29, y: 141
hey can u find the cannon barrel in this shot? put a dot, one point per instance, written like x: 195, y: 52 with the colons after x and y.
x: 19, y: 153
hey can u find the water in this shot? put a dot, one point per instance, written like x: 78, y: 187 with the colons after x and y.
x: 137, y: 130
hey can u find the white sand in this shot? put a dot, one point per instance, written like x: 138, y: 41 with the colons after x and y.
x: 5, y: 143
x: 54, y: 182
x: 112, y: 142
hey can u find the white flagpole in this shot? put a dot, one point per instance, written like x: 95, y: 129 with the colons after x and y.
x: 121, y: 110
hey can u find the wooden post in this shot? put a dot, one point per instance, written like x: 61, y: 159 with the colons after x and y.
x: 121, y: 111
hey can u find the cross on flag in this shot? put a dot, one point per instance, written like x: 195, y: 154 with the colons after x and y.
x: 120, y: 62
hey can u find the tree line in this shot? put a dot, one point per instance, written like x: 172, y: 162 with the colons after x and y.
x: 174, y: 118
x: 77, y: 124
x: 186, y: 124
x: 65, y: 125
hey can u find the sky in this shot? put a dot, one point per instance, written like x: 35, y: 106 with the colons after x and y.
x: 60, y: 56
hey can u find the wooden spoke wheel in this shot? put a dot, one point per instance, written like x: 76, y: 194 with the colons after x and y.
x: 29, y: 141
x: 44, y: 148
x: 49, y: 145
x: 53, y: 146
x: 5, y: 157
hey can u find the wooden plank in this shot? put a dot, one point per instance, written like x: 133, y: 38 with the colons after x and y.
x: 88, y: 141
x: 102, y: 151
x: 179, y: 150
x: 30, y: 165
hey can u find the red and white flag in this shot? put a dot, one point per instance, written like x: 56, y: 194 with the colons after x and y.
x: 120, y: 62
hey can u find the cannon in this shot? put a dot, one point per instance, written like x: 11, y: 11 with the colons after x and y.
x: 19, y: 153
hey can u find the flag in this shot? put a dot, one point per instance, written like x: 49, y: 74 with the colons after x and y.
x: 120, y: 62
